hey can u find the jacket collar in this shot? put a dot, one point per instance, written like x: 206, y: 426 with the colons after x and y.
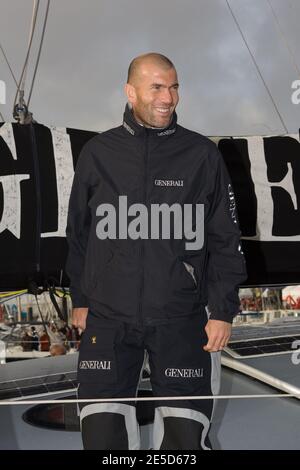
x: 136, y: 129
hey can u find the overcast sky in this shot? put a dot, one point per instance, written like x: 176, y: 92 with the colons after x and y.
x: 89, y: 44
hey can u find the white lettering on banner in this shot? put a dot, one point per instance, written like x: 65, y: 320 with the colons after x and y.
x: 10, y: 218
x: 64, y: 178
x: 7, y: 134
x: 11, y: 215
x: 265, y: 204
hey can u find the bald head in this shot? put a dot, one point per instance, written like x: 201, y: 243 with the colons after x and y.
x: 153, y: 58
x: 152, y: 89
x: 57, y: 349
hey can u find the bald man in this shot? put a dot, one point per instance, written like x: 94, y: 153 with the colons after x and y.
x: 57, y: 349
x: 154, y: 263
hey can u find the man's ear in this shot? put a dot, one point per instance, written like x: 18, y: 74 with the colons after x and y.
x: 130, y: 93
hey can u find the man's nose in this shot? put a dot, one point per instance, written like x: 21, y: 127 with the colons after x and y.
x: 166, y: 96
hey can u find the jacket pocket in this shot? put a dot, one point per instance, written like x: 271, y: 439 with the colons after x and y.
x: 191, y: 271
x: 97, y: 358
x: 188, y: 278
x: 95, y: 267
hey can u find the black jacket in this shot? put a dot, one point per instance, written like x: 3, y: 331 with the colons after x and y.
x: 151, y: 281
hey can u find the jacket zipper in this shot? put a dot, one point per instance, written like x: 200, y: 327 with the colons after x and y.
x: 38, y: 199
x: 141, y: 322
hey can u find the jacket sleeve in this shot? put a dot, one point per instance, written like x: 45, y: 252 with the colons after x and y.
x: 226, y: 263
x: 78, y: 227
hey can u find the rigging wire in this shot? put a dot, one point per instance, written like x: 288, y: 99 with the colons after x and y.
x: 8, y: 64
x: 256, y: 66
x: 4, y: 299
x: 11, y: 71
x: 12, y: 293
x: 20, y: 401
x: 39, y: 51
x: 284, y: 38
x: 21, y: 83
x: 43, y: 320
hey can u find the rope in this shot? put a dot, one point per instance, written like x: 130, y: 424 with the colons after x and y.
x: 39, y: 52
x: 8, y: 64
x: 11, y: 293
x: 139, y: 399
x: 21, y: 83
x: 43, y: 320
x: 260, y: 375
x: 257, y: 68
x: 284, y: 38
x: 11, y: 71
x: 6, y: 299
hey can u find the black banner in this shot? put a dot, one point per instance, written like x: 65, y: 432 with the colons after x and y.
x: 265, y: 174
x: 36, y: 172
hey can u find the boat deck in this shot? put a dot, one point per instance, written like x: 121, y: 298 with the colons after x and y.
x: 260, y: 423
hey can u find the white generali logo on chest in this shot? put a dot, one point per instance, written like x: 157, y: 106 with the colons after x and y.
x: 168, y: 183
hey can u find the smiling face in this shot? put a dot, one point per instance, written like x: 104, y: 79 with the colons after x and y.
x: 153, y: 94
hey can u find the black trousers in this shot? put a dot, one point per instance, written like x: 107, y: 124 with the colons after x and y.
x: 110, y: 362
